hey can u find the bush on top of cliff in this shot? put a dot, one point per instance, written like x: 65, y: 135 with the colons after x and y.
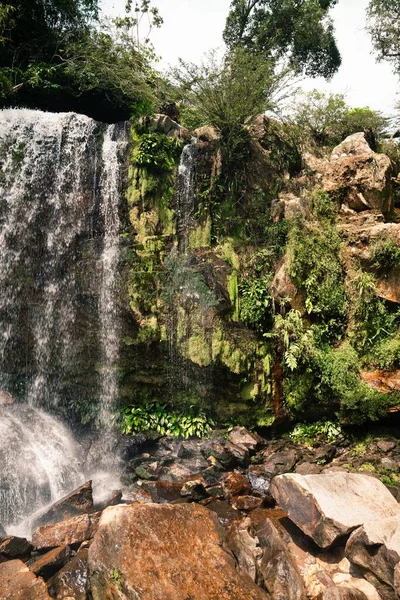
x: 58, y: 56
x: 327, y: 119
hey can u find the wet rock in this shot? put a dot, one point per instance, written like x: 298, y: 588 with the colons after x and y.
x: 225, y: 512
x: 234, y: 484
x: 259, y: 485
x: 241, y: 437
x: 5, y: 398
x: 154, y: 552
x: 72, y: 580
x: 78, y: 502
x: 17, y: 582
x: 164, y: 491
x: 140, y: 494
x: 376, y: 547
x: 114, y: 498
x: 280, y: 462
x: 343, y: 593
x: 247, y: 503
x: 14, y: 546
x: 194, y: 490
x: 68, y: 532
x: 328, y: 507
x: 47, y: 564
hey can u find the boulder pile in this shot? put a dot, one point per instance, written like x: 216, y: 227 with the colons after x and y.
x: 237, y: 518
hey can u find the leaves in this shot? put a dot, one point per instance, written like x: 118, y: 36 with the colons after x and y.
x: 157, y: 418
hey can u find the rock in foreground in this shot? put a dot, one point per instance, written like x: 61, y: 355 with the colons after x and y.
x: 160, y: 552
x: 329, y: 506
x: 19, y: 583
x: 376, y: 547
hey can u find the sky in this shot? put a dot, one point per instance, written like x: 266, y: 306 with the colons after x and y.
x: 191, y: 27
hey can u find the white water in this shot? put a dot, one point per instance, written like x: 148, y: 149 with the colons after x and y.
x: 59, y: 183
x: 186, y: 194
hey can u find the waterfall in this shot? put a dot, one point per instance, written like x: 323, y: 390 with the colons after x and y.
x: 186, y: 194
x: 39, y: 464
x: 60, y: 190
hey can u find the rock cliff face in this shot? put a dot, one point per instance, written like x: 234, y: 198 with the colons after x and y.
x: 312, y: 235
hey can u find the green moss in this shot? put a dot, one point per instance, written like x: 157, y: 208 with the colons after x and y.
x: 233, y: 291
x: 201, y: 236
x: 198, y: 350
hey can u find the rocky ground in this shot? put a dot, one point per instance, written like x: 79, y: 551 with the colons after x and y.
x: 228, y: 518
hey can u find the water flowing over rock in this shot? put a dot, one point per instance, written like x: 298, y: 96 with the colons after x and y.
x: 186, y: 194
x: 61, y: 181
x: 39, y: 463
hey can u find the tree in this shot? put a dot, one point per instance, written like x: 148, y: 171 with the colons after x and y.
x: 327, y: 119
x: 383, y: 23
x: 298, y: 29
x: 71, y: 61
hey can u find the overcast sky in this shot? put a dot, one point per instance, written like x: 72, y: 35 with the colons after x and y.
x: 191, y: 27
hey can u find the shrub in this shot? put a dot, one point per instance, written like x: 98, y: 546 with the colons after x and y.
x: 386, y: 255
x: 308, y: 433
x: 158, y: 418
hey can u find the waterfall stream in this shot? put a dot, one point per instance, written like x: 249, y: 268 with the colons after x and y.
x: 60, y: 187
x: 185, y: 205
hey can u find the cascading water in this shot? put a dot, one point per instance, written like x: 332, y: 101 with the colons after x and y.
x: 60, y: 184
x: 186, y: 194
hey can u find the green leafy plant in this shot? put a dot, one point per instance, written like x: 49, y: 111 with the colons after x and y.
x: 158, y: 418
x: 116, y: 577
x: 157, y: 152
x: 386, y: 255
x: 308, y: 433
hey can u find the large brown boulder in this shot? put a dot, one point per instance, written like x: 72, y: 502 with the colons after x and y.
x: 360, y: 177
x: 164, y: 552
x: 376, y: 547
x: 68, y: 532
x: 17, y: 582
x: 329, y: 506
x: 343, y: 593
x: 47, y: 564
x: 78, y: 502
x: 72, y: 580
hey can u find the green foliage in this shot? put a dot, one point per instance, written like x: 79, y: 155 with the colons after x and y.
x: 373, y: 320
x: 315, y: 266
x: 320, y: 431
x: 57, y: 55
x: 384, y: 27
x: 116, y: 577
x: 158, y: 418
x: 386, y: 254
x: 328, y: 120
x: 157, y: 152
x: 293, y: 339
x: 386, y: 353
x: 301, y: 30
x: 255, y: 302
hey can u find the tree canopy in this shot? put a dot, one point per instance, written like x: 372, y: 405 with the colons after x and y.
x: 383, y: 23
x: 57, y: 55
x: 299, y: 29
